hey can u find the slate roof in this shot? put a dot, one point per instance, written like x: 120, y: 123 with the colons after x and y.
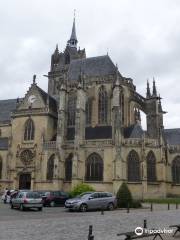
x: 52, y: 101
x: 133, y: 131
x: 172, y: 136
x: 6, y: 107
x: 3, y: 143
x: 93, y: 67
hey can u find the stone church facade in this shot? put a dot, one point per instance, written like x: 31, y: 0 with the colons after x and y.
x: 87, y: 128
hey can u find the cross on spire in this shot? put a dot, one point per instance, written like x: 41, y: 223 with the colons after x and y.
x: 72, y: 42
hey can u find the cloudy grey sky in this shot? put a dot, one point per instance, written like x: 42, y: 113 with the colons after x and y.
x: 142, y: 36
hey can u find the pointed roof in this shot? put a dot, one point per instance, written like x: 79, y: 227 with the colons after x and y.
x: 154, y: 93
x: 73, y: 33
x: 6, y: 108
x: 148, y: 93
x: 133, y: 131
x: 72, y: 42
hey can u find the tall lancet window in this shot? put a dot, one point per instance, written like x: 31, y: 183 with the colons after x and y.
x: 94, y: 168
x: 29, y: 130
x: 176, y: 170
x: 103, y: 105
x: 88, y: 111
x: 151, y: 167
x: 50, y: 168
x: 71, y: 111
x: 68, y: 167
x: 133, y: 167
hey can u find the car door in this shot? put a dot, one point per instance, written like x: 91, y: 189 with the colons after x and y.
x: 17, y: 201
x: 103, y: 198
x: 56, y: 196
x: 93, y: 201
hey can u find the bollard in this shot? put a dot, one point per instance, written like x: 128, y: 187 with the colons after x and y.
x: 176, y: 205
x: 145, y: 223
x: 151, y: 207
x: 128, y: 208
x: 168, y: 206
x: 90, y: 236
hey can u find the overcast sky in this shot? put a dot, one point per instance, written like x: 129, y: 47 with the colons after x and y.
x: 141, y: 36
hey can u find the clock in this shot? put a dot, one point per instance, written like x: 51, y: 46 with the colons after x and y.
x: 32, y: 99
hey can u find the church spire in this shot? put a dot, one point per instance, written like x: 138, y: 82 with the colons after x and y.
x: 72, y: 42
x: 154, y: 93
x: 148, y: 93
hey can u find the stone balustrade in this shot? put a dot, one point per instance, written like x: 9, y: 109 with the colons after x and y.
x: 49, y: 145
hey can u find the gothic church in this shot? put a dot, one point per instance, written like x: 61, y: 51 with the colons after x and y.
x: 87, y: 128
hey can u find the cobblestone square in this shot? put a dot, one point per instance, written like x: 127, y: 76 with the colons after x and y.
x: 59, y: 224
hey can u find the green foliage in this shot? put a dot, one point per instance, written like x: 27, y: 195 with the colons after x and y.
x: 136, y: 204
x: 124, y: 196
x: 81, y: 188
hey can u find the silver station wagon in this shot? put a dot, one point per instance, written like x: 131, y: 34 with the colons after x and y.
x: 92, y: 201
x: 27, y: 199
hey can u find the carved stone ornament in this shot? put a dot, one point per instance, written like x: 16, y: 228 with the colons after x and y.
x: 26, y: 156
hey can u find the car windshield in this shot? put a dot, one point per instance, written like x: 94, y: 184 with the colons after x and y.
x: 84, y: 195
x: 33, y: 195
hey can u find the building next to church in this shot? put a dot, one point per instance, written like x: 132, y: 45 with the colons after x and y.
x: 87, y: 128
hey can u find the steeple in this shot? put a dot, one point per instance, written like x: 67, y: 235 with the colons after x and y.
x: 72, y: 42
x: 154, y: 93
x: 148, y: 93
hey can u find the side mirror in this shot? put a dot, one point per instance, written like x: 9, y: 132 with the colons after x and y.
x: 90, y: 198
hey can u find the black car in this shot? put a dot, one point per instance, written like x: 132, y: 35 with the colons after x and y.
x: 54, y: 198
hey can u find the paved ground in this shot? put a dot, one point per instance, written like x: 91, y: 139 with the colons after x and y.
x: 58, y: 224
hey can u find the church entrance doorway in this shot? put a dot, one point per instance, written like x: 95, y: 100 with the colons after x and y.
x: 25, y: 181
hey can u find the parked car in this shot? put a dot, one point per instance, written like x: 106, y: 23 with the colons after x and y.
x: 53, y: 198
x: 27, y: 199
x: 93, y: 200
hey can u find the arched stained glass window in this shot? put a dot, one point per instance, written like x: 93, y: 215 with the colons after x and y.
x: 176, y: 170
x: 50, y: 168
x: 88, y: 111
x: 103, y: 105
x: 68, y: 167
x: 71, y: 111
x: 29, y: 130
x: 94, y: 168
x: 133, y: 167
x: 151, y: 167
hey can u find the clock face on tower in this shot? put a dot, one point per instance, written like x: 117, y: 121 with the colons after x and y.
x: 32, y: 99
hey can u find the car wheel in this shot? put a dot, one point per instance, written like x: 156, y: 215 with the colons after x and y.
x: 40, y: 209
x: 21, y: 207
x: 110, y: 206
x: 52, y: 204
x: 12, y: 206
x: 83, y: 208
